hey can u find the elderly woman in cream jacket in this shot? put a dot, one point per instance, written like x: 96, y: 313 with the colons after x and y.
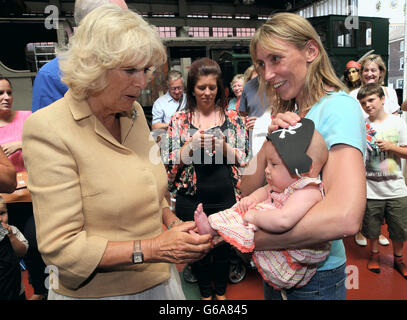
x: 95, y: 175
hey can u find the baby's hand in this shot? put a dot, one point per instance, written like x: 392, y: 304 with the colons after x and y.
x: 245, y: 204
x: 249, y: 217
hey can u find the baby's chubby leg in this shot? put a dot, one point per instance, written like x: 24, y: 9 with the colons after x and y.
x: 202, y: 222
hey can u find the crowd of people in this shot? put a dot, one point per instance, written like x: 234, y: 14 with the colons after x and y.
x: 19, y: 208
x: 288, y: 166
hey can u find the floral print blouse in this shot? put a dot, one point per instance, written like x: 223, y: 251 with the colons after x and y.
x: 183, y: 177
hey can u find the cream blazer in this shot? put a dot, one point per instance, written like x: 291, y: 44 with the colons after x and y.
x: 86, y: 189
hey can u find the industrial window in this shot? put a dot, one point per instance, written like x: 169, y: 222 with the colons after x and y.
x: 343, y: 37
x: 222, y: 32
x: 196, y: 15
x: 242, y: 16
x: 218, y: 16
x: 164, y: 15
x: 198, y: 31
x: 245, y: 32
x: 365, y: 32
x: 167, y: 32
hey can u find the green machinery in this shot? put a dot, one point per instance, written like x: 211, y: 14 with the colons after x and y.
x: 232, y: 63
x: 344, y: 38
x: 350, y: 38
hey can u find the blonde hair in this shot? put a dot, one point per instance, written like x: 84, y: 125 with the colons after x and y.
x: 292, y: 28
x: 380, y: 63
x: 107, y: 38
x: 249, y: 73
x: 236, y: 78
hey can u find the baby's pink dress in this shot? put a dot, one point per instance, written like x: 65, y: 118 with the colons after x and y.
x: 282, y: 269
x: 13, y: 132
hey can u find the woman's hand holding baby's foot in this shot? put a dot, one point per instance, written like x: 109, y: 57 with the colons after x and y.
x: 201, y: 220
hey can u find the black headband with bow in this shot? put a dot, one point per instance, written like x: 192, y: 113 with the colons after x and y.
x: 292, y: 143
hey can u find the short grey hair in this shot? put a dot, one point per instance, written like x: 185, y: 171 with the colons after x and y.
x: 83, y: 7
x: 173, y: 75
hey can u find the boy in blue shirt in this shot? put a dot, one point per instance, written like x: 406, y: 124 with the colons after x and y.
x: 386, y: 188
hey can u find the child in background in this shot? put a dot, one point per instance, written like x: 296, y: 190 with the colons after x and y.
x: 295, y: 157
x: 386, y: 188
x: 13, y: 246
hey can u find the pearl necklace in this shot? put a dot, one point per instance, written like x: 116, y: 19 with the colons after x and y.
x: 197, y: 115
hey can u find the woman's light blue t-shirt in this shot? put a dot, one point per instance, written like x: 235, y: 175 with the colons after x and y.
x: 338, y: 118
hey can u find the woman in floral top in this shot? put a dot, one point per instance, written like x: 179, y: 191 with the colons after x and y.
x: 206, y: 147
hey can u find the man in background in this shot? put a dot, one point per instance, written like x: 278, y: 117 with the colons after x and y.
x: 174, y: 100
x: 48, y: 86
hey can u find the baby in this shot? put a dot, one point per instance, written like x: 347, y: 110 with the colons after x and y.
x: 13, y: 246
x: 295, y: 157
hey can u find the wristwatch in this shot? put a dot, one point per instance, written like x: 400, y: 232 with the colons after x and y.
x: 137, y: 253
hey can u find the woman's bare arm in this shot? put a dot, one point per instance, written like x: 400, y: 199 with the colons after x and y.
x: 253, y: 176
x: 8, y: 180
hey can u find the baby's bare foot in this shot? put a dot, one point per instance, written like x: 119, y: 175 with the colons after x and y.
x: 202, y: 222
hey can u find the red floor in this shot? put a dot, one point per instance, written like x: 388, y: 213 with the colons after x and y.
x: 362, y: 283
x: 387, y: 285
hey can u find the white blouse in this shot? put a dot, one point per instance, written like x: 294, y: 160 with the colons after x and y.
x: 391, y: 103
